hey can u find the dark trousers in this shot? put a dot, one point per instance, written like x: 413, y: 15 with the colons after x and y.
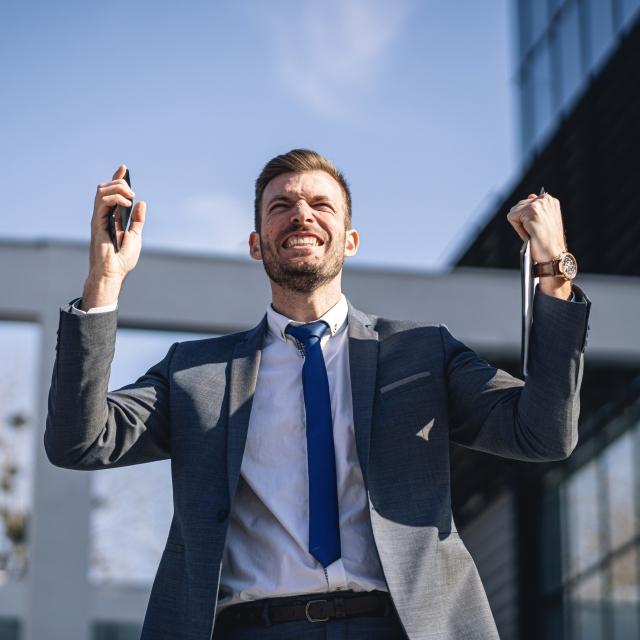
x: 373, y: 628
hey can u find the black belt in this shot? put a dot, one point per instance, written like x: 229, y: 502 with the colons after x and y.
x: 320, y: 607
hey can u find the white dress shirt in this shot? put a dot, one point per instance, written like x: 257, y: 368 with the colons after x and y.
x: 267, y: 546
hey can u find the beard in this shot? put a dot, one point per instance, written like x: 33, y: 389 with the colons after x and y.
x: 302, y: 276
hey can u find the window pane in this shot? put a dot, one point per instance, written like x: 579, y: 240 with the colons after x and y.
x: 600, y: 21
x: 9, y: 629
x: 568, y: 44
x: 525, y: 33
x: 132, y: 506
x: 554, y: 5
x: 542, y: 89
x: 553, y: 622
x: 19, y: 357
x: 600, y: 533
x: 629, y: 10
x: 586, y: 609
x: 619, y: 465
x: 115, y: 631
x: 625, y: 596
x: 550, y: 533
x: 582, y: 539
x: 527, y: 108
x: 539, y: 18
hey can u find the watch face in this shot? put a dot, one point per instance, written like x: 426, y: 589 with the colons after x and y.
x: 568, y: 266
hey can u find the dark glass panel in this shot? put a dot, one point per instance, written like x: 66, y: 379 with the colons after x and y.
x: 568, y: 42
x: 582, y: 518
x: 116, y: 631
x: 629, y: 11
x: 600, y: 29
x: 9, y: 629
x: 542, y: 89
x: 586, y: 608
x: 624, y: 596
x: 619, y: 467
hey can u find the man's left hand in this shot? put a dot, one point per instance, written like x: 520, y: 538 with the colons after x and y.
x: 539, y: 219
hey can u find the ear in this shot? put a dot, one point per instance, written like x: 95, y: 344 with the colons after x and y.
x: 351, y: 243
x: 254, y: 245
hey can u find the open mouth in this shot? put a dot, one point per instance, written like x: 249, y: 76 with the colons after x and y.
x: 294, y: 241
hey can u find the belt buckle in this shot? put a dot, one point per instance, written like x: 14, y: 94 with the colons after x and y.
x: 306, y: 611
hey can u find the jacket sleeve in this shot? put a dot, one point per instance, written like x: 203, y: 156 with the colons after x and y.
x: 492, y: 411
x: 88, y: 427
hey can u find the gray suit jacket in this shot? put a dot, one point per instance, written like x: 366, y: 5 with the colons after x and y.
x: 415, y: 388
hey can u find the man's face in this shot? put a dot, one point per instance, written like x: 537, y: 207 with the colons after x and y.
x: 303, y: 240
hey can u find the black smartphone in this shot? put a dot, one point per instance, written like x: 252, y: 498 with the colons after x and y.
x: 123, y: 212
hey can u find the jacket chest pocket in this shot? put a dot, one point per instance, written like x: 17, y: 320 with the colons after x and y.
x: 409, y: 455
x: 412, y: 429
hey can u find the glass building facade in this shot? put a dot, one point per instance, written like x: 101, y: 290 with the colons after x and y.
x: 591, y: 520
x: 576, y: 552
x: 560, y: 45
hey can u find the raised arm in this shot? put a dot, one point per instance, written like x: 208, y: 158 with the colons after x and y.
x: 86, y: 427
x: 492, y: 411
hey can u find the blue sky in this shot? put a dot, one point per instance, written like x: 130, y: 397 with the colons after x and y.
x: 413, y: 99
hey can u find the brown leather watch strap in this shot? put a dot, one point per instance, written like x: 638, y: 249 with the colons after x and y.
x: 563, y: 265
x: 546, y: 268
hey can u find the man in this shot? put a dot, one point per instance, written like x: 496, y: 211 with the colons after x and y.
x: 310, y: 455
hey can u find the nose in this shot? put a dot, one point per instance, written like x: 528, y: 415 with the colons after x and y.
x: 301, y: 213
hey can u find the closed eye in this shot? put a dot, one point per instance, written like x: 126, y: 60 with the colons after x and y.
x: 324, y: 206
x: 278, y: 207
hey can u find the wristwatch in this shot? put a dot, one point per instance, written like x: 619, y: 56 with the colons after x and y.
x: 564, y: 265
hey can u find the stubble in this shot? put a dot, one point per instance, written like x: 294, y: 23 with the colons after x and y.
x: 303, y: 276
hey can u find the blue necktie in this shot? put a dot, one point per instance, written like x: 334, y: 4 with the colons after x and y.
x: 324, y: 527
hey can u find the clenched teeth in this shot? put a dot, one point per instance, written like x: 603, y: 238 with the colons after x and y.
x: 297, y: 241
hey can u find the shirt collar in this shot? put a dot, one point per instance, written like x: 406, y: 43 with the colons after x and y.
x: 336, y: 317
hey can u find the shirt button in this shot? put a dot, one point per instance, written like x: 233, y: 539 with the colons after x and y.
x: 222, y: 515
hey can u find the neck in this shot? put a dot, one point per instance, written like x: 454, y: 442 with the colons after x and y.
x: 308, y: 306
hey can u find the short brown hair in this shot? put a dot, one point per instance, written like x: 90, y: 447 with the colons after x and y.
x: 298, y: 161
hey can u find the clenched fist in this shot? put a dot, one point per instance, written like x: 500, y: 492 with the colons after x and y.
x: 539, y: 220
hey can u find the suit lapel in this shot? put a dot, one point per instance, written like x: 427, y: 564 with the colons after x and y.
x: 245, y: 363
x: 363, y: 363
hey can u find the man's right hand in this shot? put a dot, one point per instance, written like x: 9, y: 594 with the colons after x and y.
x: 108, y: 269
